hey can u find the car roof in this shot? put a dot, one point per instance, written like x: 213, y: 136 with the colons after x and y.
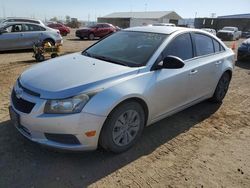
x: 22, y: 18
x: 12, y: 23
x: 161, y: 30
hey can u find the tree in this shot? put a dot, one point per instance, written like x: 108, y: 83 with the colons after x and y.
x: 54, y: 19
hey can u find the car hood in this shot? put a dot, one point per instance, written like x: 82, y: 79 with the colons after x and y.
x: 225, y: 31
x: 247, y: 42
x: 73, y: 74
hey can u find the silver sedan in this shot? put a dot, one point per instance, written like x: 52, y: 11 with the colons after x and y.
x: 108, y: 93
x: 23, y: 35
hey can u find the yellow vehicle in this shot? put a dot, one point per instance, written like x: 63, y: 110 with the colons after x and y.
x: 41, y: 50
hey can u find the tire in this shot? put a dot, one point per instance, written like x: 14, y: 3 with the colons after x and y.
x: 239, y: 58
x: 52, y: 42
x: 123, y: 127
x: 91, y: 36
x: 221, y: 88
x: 39, y: 57
x: 54, y: 55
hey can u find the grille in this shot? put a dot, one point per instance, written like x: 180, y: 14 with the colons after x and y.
x: 62, y: 138
x: 24, y: 130
x: 21, y: 104
x: 27, y: 90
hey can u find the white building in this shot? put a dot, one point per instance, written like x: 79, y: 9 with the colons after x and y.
x: 132, y: 19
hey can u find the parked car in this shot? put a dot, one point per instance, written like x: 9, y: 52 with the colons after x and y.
x: 229, y: 33
x: 245, y: 34
x: 164, y: 24
x: 64, y: 30
x: 244, y: 51
x: 22, y: 35
x: 212, y: 31
x: 98, y: 30
x: 17, y: 19
x: 119, y: 85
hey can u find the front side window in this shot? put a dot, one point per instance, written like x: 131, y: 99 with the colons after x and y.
x: 203, y: 44
x: 181, y: 47
x: 14, y: 28
x: 128, y: 48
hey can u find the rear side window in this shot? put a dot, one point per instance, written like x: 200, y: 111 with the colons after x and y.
x: 203, y: 44
x: 181, y: 47
x: 217, y: 46
x: 30, y: 27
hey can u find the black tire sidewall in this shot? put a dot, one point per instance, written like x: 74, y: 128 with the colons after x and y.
x: 216, y: 96
x: 106, y: 140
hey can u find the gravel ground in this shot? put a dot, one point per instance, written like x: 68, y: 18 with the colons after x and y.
x: 206, y: 145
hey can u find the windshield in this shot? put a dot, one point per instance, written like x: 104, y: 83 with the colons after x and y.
x: 128, y: 48
x: 228, y: 28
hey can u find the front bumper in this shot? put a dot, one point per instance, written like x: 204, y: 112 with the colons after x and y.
x: 36, y: 126
x: 225, y: 36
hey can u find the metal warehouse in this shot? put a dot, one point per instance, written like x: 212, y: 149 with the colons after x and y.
x: 242, y: 21
x: 132, y: 19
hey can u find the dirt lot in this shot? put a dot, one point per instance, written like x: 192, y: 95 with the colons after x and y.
x: 206, y: 145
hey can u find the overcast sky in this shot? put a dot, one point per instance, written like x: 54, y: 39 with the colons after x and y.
x: 91, y: 9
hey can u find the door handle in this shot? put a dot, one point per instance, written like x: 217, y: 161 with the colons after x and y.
x: 194, y: 71
x: 218, y: 62
x: 21, y: 34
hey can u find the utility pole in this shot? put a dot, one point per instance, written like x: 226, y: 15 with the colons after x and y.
x: 146, y: 7
x: 3, y: 8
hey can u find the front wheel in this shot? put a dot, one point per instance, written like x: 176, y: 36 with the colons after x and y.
x: 123, y: 127
x: 222, y: 87
x: 91, y: 36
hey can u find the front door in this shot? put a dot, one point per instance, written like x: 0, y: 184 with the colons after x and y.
x: 12, y: 38
x: 171, y: 87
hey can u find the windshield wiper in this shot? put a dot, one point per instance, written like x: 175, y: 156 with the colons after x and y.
x: 109, y: 60
x: 86, y: 54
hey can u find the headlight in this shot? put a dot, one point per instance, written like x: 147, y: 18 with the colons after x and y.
x: 66, y: 106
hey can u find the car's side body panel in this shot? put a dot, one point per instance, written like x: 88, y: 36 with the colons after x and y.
x: 26, y: 39
x: 164, y: 91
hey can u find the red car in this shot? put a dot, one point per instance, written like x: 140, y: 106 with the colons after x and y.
x: 64, y: 30
x: 98, y: 30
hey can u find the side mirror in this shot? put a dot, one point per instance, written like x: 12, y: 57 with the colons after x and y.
x: 171, y: 62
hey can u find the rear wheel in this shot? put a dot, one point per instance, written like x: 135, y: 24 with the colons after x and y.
x: 222, y: 87
x: 123, y: 127
x: 49, y: 41
x: 54, y: 55
x: 39, y: 57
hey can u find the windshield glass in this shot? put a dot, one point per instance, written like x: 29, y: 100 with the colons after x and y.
x: 228, y: 28
x: 128, y: 48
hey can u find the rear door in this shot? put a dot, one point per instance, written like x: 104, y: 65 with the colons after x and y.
x: 106, y: 29
x: 12, y: 39
x: 99, y: 32
x: 31, y: 34
x: 203, y: 69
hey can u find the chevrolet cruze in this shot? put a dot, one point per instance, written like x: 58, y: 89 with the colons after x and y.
x: 108, y: 93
